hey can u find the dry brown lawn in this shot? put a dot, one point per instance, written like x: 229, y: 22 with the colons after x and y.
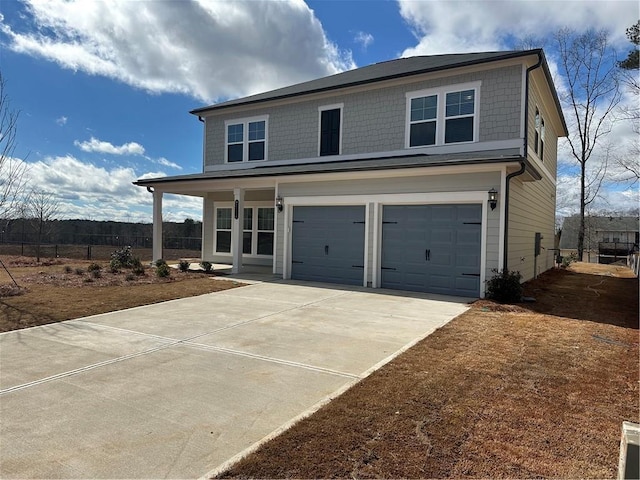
x: 48, y: 293
x: 519, y: 391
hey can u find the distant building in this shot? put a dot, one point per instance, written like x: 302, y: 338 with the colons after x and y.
x: 611, y: 237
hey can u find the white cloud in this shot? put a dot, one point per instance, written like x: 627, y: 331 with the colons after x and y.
x: 87, y: 191
x: 131, y: 148
x: 62, y: 120
x: 443, y: 26
x: 364, y: 39
x: 204, y: 48
x: 95, y: 145
x: 166, y: 163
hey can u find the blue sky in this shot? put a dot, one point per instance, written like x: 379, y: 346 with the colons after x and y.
x: 104, y: 89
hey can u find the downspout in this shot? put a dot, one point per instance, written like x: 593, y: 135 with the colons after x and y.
x: 522, y: 162
x: 204, y: 142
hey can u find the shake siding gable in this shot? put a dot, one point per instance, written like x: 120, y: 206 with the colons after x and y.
x: 374, y: 119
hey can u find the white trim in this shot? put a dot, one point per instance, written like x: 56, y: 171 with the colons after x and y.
x: 366, y: 245
x: 377, y: 241
x: 245, y: 138
x: 339, y: 106
x: 286, y: 254
x: 254, y: 228
x: 441, y: 94
x: 484, y: 228
x: 275, y: 228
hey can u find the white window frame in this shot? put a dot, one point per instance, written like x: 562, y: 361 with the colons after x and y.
x: 216, y: 229
x: 441, y: 94
x: 323, y: 108
x: 539, y: 134
x: 254, y: 206
x: 245, y: 138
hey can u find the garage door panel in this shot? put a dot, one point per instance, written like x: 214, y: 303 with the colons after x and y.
x: 450, y: 234
x: 328, y: 244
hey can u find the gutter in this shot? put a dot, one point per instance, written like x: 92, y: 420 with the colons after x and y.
x: 523, y: 165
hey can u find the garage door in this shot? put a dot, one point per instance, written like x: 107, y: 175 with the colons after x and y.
x: 327, y: 244
x: 432, y: 248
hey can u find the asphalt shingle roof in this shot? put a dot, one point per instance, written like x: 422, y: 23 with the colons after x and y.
x: 401, y: 67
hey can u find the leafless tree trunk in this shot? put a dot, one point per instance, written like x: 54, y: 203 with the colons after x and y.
x: 587, y: 63
x: 13, y: 172
x: 42, y: 208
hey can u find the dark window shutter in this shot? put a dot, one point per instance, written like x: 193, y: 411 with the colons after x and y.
x: 330, y: 132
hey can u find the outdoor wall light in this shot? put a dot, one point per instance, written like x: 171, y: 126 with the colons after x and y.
x: 279, y: 203
x: 493, y: 198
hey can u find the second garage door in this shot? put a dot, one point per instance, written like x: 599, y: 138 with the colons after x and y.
x: 432, y: 248
x: 327, y: 244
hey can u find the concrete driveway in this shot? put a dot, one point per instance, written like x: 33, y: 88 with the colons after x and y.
x: 176, y: 389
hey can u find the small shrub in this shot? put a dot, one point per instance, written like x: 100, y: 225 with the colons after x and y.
x: 87, y: 280
x: 138, y: 270
x: 206, y: 266
x: 130, y: 277
x: 114, y: 265
x: 123, y: 256
x: 163, y: 270
x: 568, y: 260
x: 183, y: 265
x: 79, y: 271
x: 96, y: 273
x: 160, y: 262
x: 94, y: 267
x: 68, y: 269
x: 505, y: 286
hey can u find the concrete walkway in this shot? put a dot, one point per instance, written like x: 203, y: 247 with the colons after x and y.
x: 176, y: 389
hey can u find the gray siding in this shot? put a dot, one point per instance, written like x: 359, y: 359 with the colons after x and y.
x: 374, y: 120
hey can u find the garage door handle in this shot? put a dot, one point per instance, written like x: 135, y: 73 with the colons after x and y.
x: 326, y: 249
x: 427, y: 255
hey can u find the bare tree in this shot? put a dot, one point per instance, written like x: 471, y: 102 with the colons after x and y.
x: 629, y: 163
x: 13, y: 172
x: 41, y: 207
x: 592, y: 96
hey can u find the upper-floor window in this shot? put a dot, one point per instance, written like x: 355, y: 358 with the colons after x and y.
x: 330, y: 129
x: 246, y: 140
x: 538, y: 144
x: 442, y: 116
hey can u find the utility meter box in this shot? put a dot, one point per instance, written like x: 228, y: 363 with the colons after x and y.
x: 538, y: 243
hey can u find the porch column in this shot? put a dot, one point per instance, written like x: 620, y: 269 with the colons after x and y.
x: 236, y: 229
x: 208, y: 222
x: 157, y: 225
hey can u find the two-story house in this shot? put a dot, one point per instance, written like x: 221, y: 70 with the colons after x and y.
x: 421, y: 173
